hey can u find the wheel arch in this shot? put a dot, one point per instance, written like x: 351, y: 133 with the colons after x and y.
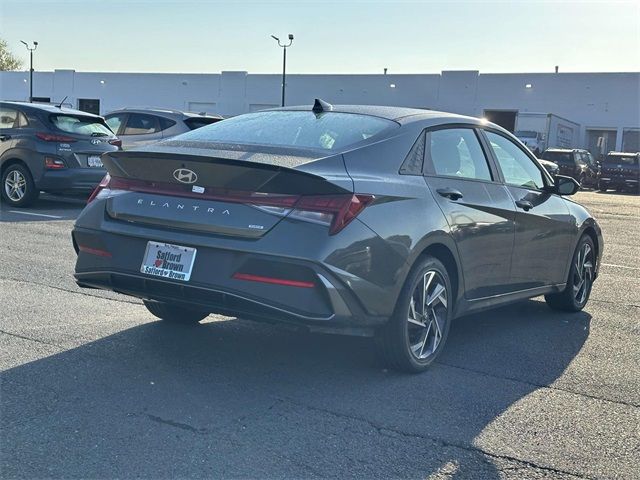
x: 442, y: 247
x: 12, y: 161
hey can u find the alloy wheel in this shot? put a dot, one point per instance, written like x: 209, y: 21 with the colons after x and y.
x: 583, y: 276
x: 15, y: 185
x: 427, y: 315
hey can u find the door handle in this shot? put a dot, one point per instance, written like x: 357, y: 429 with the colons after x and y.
x: 526, y: 205
x: 5, y: 137
x: 450, y: 193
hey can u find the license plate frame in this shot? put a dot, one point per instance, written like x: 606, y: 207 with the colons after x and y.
x: 94, y: 161
x: 165, y: 260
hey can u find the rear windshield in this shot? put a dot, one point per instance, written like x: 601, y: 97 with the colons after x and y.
x: 198, y: 122
x: 81, y: 125
x: 526, y: 134
x: 326, y: 131
x: 630, y: 160
x: 559, y: 157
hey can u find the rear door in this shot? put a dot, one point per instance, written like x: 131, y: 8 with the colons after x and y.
x: 478, y: 208
x: 544, y: 227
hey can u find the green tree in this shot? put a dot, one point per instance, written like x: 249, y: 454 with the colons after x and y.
x: 7, y: 60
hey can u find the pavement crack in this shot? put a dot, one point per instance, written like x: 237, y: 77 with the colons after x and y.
x: 181, y: 426
x: 18, y: 280
x: 390, y: 431
x: 540, y: 386
x: 31, y: 339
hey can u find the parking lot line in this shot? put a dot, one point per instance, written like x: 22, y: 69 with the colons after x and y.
x: 35, y: 214
x: 620, y: 266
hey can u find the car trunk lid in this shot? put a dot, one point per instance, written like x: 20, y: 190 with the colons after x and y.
x: 237, y: 192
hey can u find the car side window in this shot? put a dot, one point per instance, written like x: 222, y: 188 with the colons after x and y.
x: 517, y: 168
x: 115, y: 121
x: 21, y: 121
x: 8, y: 117
x: 457, y: 152
x: 165, y: 123
x: 139, y: 124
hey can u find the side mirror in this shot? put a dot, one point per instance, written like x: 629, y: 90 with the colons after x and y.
x: 565, y: 185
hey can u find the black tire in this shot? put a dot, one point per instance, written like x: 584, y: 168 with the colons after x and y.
x: 27, y: 194
x: 569, y: 300
x: 174, y: 313
x: 393, y: 340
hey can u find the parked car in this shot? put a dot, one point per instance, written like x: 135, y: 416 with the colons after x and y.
x: 50, y: 148
x: 137, y: 127
x: 367, y: 220
x: 620, y: 171
x: 549, y: 166
x: 575, y: 163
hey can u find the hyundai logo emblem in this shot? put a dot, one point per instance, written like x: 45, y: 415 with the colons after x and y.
x: 95, y: 141
x: 185, y: 175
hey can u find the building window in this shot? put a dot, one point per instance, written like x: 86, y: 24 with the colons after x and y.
x: 631, y: 140
x: 42, y: 99
x: 89, y: 105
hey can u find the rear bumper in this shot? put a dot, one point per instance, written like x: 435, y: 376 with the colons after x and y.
x: 71, y: 179
x: 329, y: 306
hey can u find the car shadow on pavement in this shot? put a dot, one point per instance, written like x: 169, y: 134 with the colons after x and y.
x: 46, y: 209
x: 243, y: 400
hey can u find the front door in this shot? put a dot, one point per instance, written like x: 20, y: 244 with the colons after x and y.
x: 544, y: 227
x: 479, y: 210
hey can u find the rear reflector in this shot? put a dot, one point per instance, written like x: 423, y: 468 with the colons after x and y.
x: 49, y: 137
x: 274, y: 281
x: 94, y: 251
x: 53, y: 163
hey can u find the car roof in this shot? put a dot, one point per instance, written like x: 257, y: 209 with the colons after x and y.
x: 51, y: 108
x: 390, y: 113
x: 165, y: 111
x: 565, y: 150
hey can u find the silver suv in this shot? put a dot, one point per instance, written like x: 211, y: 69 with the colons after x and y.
x: 141, y: 126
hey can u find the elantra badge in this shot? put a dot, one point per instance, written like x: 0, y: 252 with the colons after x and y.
x: 184, y: 175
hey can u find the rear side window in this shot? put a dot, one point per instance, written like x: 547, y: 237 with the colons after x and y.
x: 456, y: 152
x: 199, y: 122
x: 8, y: 117
x: 80, y: 125
x: 165, y: 123
x: 140, y: 124
x: 325, y: 131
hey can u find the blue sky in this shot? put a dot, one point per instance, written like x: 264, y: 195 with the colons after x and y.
x: 330, y: 36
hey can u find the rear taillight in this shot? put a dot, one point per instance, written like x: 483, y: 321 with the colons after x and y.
x: 116, y: 142
x: 51, y: 163
x: 49, y: 137
x: 104, y: 183
x: 336, y: 211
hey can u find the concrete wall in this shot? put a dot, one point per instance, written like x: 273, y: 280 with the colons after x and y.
x: 594, y: 100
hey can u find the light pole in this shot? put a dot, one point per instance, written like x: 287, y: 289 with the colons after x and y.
x: 284, y: 60
x: 31, y: 49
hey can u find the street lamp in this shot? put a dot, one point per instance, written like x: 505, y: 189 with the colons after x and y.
x: 31, y: 49
x: 284, y: 60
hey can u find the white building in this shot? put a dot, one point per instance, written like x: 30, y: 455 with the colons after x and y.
x: 604, y: 104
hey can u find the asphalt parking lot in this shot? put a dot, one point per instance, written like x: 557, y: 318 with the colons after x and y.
x: 94, y: 387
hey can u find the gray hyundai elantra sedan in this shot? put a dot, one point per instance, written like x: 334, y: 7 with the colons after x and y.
x: 378, y: 221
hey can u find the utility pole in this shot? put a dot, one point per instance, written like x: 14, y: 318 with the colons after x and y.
x: 31, y: 50
x: 284, y: 61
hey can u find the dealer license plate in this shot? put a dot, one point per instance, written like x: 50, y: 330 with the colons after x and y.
x: 168, y: 261
x: 94, y: 161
